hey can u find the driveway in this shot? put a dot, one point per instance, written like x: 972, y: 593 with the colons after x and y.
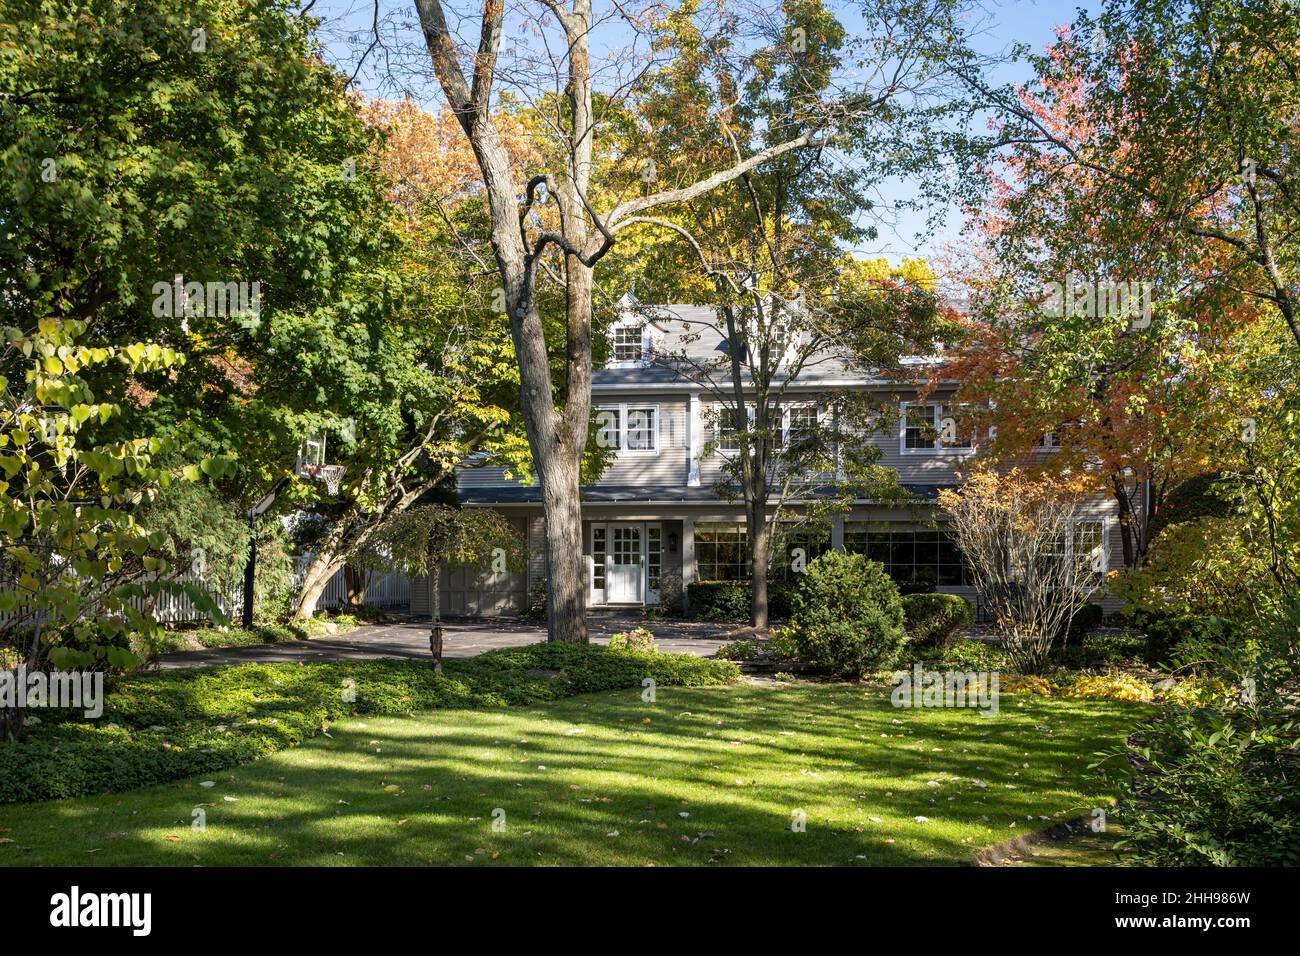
x: 461, y: 638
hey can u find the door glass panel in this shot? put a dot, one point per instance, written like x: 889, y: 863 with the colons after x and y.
x: 625, y: 546
x: 598, y: 558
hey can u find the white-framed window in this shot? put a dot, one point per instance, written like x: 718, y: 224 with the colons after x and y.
x: 801, y: 421
x: 721, y: 551
x: 629, y: 343
x: 727, y: 426
x: 1050, y: 441
x: 931, y: 428
x: 642, y: 431
x: 628, y: 428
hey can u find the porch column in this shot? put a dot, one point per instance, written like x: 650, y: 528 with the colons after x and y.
x: 688, y: 559
x: 837, y: 532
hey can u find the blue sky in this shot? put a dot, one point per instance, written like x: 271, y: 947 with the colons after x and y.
x: 1007, y: 22
x: 1031, y: 22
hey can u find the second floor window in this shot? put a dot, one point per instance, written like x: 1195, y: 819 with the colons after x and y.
x: 629, y: 343
x: 628, y: 427
x: 919, y: 427
x: 727, y: 427
x: 930, y: 427
x: 800, y: 423
x: 641, y: 430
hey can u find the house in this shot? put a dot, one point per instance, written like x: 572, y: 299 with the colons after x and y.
x: 654, y: 522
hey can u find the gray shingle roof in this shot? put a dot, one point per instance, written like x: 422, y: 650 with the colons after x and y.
x: 614, y: 494
x: 687, y: 338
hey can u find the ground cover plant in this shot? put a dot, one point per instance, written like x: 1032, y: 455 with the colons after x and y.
x: 699, y: 776
x: 163, y: 726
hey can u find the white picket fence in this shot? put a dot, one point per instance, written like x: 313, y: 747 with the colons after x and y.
x: 391, y: 590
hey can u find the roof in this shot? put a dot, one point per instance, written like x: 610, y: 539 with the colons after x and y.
x: 689, y: 348
x: 647, y: 494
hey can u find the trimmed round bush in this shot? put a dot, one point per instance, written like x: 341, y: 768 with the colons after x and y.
x: 934, y: 619
x: 846, y: 615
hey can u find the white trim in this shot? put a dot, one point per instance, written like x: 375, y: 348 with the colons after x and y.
x: 596, y: 595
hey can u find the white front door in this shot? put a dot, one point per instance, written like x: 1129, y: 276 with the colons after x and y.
x: 623, y: 578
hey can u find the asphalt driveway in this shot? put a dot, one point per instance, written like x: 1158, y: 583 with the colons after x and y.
x: 461, y: 638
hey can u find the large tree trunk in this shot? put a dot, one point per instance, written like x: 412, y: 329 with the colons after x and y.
x: 565, y: 591
x: 350, y: 532
x: 756, y: 527
x: 330, y: 556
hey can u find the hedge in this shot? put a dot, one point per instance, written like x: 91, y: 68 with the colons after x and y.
x: 935, y: 618
x: 165, y: 726
x: 730, y: 600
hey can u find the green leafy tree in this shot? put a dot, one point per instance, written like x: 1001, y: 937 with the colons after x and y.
x: 74, y: 561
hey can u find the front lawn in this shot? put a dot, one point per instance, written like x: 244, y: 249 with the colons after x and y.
x: 709, y: 775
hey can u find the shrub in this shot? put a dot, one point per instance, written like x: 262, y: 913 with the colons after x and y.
x: 971, y: 655
x: 738, y: 651
x: 164, y: 726
x: 782, y: 644
x: 1171, y: 638
x: 934, y: 619
x: 730, y: 600
x: 846, y: 615
x: 639, y: 639
x: 1086, y: 620
x: 1211, y: 788
x: 1114, y: 686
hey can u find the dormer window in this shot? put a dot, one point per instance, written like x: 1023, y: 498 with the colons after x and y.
x: 629, y: 342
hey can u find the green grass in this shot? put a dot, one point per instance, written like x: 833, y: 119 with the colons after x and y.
x: 166, y: 726
x: 701, y: 776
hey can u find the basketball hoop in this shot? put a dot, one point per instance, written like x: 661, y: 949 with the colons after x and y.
x: 331, y: 476
x: 311, y: 465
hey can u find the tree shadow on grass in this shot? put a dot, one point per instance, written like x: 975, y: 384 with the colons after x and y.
x: 699, y: 777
